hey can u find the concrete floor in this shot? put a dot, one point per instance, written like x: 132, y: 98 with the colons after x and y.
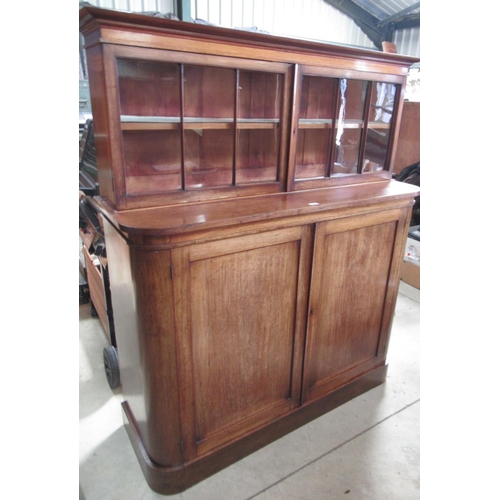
x: 367, y: 449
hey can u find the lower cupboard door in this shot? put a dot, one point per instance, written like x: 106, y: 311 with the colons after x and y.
x: 240, y: 305
x: 353, y: 291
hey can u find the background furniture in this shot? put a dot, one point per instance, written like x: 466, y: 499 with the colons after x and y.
x: 408, y: 147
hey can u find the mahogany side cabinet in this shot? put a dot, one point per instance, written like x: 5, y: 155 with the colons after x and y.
x: 253, y: 230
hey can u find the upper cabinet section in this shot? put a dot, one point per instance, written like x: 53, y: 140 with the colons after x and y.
x: 188, y: 127
x: 345, y: 126
x: 185, y: 112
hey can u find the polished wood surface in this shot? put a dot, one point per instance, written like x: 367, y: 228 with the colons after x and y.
x: 348, y: 292
x: 212, y: 328
x: 254, y: 234
x: 170, y: 480
x: 180, y: 119
x: 96, y: 289
x: 408, y: 146
x: 242, y: 301
x: 191, y: 217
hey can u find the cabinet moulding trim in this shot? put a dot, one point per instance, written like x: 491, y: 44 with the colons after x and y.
x: 177, y: 478
x: 272, y: 52
x: 145, y: 242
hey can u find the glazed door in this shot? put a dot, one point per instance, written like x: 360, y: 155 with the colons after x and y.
x: 241, y: 305
x: 353, y: 291
x: 196, y: 127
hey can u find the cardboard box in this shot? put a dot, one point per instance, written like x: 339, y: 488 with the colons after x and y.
x: 410, y: 268
x: 412, y: 251
x: 410, y: 273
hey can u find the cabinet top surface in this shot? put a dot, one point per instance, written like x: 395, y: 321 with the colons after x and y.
x: 177, y: 219
x: 93, y: 17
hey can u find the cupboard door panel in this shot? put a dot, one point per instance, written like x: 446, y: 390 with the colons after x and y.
x: 351, y: 272
x: 241, y: 366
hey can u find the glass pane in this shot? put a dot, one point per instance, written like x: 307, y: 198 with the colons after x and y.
x: 152, y: 160
x: 349, y: 125
x: 149, y: 98
x: 347, y: 152
x: 148, y: 89
x: 259, y: 95
x: 259, y: 110
x: 379, y: 126
x: 315, y: 124
x: 312, y: 153
x: 257, y: 155
x: 209, y: 99
x: 316, y: 98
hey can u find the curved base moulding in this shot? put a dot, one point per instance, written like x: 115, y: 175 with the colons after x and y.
x: 175, y: 479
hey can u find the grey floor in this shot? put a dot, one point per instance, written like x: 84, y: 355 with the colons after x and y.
x: 367, y: 449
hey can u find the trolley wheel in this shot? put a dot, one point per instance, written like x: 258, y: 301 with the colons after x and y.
x: 111, y: 366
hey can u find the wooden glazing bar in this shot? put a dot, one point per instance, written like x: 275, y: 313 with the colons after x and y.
x: 235, y: 121
x: 183, y: 145
x: 364, y: 133
x: 294, y: 120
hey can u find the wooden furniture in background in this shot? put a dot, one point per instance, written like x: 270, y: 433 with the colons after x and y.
x: 253, y: 232
x: 408, y: 146
x: 389, y: 47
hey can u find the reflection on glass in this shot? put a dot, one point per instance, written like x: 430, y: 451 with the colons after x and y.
x: 208, y: 126
x: 315, y: 125
x: 149, y: 99
x: 349, y: 126
x: 259, y: 109
x: 379, y: 127
x: 383, y: 96
x: 148, y: 89
x: 257, y: 155
x: 259, y: 96
x: 152, y: 160
x: 347, y: 152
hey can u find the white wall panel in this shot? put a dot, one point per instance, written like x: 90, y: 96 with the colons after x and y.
x: 408, y: 41
x: 314, y: 19
x: 121, y: 4
x: 164, y: 6
x: 136, y: 5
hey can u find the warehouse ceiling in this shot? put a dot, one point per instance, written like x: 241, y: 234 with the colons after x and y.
x: 380, y: 19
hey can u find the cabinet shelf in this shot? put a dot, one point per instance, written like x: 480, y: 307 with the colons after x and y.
x: 129, y: 122
x: 348, y: 124
x: 379, y: 125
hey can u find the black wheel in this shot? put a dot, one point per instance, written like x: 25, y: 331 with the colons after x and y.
x: 111, y: 366
x: 93, y: 311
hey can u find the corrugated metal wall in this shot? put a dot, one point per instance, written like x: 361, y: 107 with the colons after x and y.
x: 314, y: 19
x: 408, y: 41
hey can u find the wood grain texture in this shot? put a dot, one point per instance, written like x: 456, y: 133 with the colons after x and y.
x: 143, y: 314
x: 408, y: 145
x: 171, y: 480
x: 137, y: 62
x: 242, y: 297
x: 173, y: 220
x: 348, y: 292
x: 96, y: 290
x: 97, y: 86
x: 253, y: 279
x: 147, y: 31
